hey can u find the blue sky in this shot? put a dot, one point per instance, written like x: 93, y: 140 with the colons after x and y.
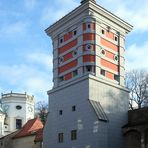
x: 26, y: 51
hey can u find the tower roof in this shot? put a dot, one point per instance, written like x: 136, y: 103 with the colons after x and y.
x: 83, y: 1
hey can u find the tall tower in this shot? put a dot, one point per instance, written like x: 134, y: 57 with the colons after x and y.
x: 88, y: 104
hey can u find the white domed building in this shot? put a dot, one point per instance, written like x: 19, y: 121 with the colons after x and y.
x: 16, y: 110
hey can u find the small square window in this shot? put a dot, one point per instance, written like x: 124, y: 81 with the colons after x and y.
x: 75, y: 73
x: 116, y: 38
x: 89, y: 26
x: 61, y: 78
x: 61, y: 40
x: 89, y: 68
x: 73, y: 134
x: 116, y: 77
x: 75, y: 32
x: 60, y: 112
x: 103, y: 32
x: 73, y: 108
x: 102, y: 72
x: 60, y: 137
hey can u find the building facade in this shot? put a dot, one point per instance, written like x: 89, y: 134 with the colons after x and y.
x: 18, y: 109
x: 88, y: 103
x: 136, y: 130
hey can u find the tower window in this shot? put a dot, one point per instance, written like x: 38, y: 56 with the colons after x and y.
x: 88, y: 47
x: 103, y: 31
x: 61, y: 78
x: 74, y: 53
x: 60, y: 112
x: 61, y: 59
x: 75, y: 32
x: 116, y: 38
x: 18, y: 123
x: 102, y: 72
x: 89, y: 26
x: 60, y: 137
x: 61, y: 40
x: 73, y: 108
x: 116, y: 77
x: 88, y: 68
x: 73, y: 134
x: 103, y: 52
x: 75, y: 73
x: 116, y: 58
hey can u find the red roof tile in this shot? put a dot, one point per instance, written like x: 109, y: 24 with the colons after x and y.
x: 30, y: 128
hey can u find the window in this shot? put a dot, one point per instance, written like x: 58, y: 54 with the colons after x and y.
x: 18, y: 107
x: 103, y: 32
x: 61, y: 59
x: 88, y: 47
x: 75, y: 32
x: 73, y: 108
x: 74, y: 53
x: 116, y: 77
x: 61, y: 40
x: 103, y: 52
x: 116, y: 38
x: 60, y: 112
x: 73, y: 134
x: 89, y: 26
x: 89, y: 68
x: 61, y: 78
x: 18, y: 123
x: 60, y: 137
x: 102, y: 72
x: 116, y: 58
x: 75, y: 73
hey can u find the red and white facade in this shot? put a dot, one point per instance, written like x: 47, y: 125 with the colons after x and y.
x: 88, y: 64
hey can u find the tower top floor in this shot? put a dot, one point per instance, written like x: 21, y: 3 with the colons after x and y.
x: 17, y: 96
x: 89, y: 40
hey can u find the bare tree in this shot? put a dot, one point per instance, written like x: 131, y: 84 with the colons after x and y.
x: 137, y: 83
x: 42, y: 110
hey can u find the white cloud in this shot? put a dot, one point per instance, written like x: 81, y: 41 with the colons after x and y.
x: 30, y: 4
x: 40, y: 58
x: 14, y: 29
x: 52, y: 13
x: 25, y: 78
x: 34, y: 76
x: 136, y: 57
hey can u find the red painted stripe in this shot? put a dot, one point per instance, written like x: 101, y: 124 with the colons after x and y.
x: 109, y: 44
x: 109, y: 75
x: 68, y: 76
x: 88, y: 37
x: 109, y: 65
x: 88, y: 58
x: 68, y: 56
x: 67, y: 46
x: 67, y: 36
x: 68, y: 66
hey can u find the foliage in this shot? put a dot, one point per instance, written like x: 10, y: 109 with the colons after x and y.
x: 42, y: 111
x: 137, y: 83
